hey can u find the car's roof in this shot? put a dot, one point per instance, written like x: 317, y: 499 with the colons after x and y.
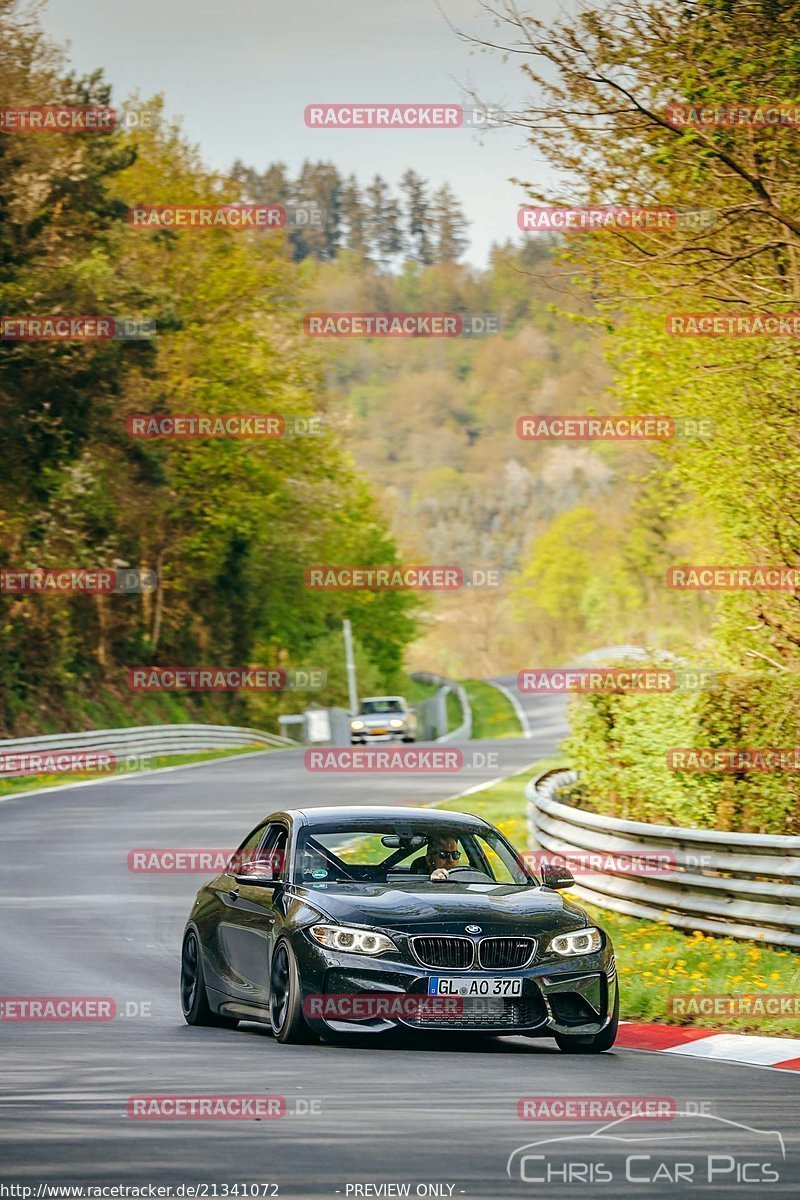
x: 366, y: 699
x: 331, y: 815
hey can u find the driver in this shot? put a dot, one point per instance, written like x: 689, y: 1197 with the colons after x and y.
x: 442, y: 852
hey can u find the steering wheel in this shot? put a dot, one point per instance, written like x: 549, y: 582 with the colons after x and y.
x: 475, y: 876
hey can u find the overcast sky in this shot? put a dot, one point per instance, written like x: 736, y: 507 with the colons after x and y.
x: 241, y: 75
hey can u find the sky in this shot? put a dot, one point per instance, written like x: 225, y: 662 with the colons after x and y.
x: 241, y: 76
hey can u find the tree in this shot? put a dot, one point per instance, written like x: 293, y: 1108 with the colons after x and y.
x: 229, y: 525
x: 383, y: 222
x: 602, y: 115
x: 417, y: 217
x: 611, y: 76
x: 449, y: 226
x: 319, y: 186
x: 354, y: 218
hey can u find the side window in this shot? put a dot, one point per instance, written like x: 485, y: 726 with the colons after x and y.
x: 246, y: 851
x: 497, y: 866
x: 273, y: 849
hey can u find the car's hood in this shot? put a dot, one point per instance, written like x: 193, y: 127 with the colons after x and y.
x: 447, y: 907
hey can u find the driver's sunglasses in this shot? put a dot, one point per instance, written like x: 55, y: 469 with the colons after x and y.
x: 454, y: 854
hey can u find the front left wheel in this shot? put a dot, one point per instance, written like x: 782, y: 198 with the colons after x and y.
x: 194, y: 998
x: 596, y: 1043
x: 286, y: 998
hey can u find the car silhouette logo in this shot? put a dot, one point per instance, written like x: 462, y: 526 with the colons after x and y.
x: 472, y: 929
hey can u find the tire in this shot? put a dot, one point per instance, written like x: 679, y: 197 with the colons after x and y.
x: 194, y: 998
x: 595, y: 1043
x: 286, y: 998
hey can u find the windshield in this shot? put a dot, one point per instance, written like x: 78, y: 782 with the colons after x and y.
x: 394, y: 852
x: 370, y: 707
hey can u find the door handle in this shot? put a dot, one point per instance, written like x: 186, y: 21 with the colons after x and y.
x: 234, y: 893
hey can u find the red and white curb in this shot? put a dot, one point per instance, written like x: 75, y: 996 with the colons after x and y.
x: 747, y: 1048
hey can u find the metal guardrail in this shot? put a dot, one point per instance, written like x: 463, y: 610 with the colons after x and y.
x: 143, y: 740
x: 743, y: 885
x: 462, y: 732
x: 432, y: 713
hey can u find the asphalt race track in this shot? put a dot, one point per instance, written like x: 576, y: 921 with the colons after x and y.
x: 76, y: 921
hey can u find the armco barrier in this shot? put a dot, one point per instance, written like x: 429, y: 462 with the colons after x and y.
x: 432, y: 713
x: 146, y: 740
x: 743, y: 885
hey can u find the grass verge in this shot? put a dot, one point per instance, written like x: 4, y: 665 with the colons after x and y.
x: 493, y: 713
x: 27, y: 783
x: 455, y: 715
x: 655, y: 961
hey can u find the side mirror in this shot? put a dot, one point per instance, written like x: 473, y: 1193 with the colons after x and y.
x: 257, y: 873
x: 556, y: 878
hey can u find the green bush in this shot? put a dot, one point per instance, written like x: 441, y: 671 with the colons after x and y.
x: 619, y: 743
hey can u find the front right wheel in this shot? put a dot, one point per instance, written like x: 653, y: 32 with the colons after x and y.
x: 286, y: 998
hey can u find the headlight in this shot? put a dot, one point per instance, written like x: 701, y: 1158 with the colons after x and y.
x: 582, y: 941
x: 396, y: 724
x: 355, y: 941
x: 356, y: 724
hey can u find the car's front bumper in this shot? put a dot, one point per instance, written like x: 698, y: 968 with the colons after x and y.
x: 566, y: 996
x: 363, y: 737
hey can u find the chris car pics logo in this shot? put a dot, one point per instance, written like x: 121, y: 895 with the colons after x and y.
x: 696, y: 1150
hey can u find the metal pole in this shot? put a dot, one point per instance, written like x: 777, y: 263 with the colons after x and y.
x: 351, y: 667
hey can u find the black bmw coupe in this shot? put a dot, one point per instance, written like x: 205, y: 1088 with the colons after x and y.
x: 364, y: 920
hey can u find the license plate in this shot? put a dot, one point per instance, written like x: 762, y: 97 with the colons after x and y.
x: 379, y: 731
x: 478, y: 985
